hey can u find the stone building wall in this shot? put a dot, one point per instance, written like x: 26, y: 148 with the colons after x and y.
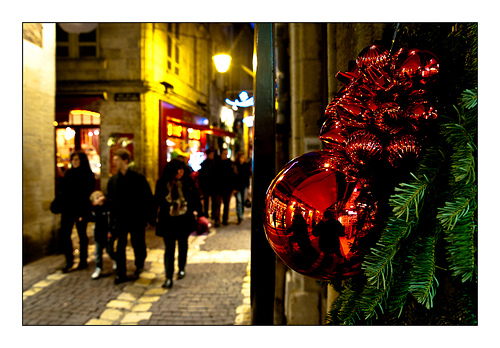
x: 131, y: 59
x: 39, y: 224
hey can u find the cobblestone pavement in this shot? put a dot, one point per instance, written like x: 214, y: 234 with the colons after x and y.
x: 215, y: 290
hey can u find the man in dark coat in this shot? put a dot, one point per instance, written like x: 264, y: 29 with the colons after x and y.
x: 206, y: 180
x: 225, y: 176
x: 132, y: 206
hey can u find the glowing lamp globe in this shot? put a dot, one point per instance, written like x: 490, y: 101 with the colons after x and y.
x: 222, y: 62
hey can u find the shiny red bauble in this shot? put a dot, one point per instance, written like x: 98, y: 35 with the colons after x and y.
x: 315, y: 215
x: 320, y: 213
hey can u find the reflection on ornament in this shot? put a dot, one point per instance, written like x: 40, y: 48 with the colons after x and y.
x: 314, y: 218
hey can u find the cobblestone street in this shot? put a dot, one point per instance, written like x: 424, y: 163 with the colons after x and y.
x: 215, y: 291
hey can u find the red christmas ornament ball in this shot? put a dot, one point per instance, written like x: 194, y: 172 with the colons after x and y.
x: 314, y: 216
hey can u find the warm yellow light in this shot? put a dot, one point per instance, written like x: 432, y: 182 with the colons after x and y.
x: 84, y: 112
x: 222, y: 62
x: 69, y: 133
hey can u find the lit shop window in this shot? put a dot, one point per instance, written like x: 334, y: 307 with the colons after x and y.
x: 80, y: 132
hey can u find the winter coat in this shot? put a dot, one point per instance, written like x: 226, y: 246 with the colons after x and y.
x: 76, y: 187
x: 243, y: 176
x: 225, y: 176
x: 206, y: 176
x: 100, y: 215
x: 131, y: 201
x: 177, y: 201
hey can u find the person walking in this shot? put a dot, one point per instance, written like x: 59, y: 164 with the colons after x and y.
x: 242, y: 182
x: 179, y: 206
x: 206, y: 180
x: 102, y: 235
x: 76, y: 187
x: 225, y: 176
x: 131, y: 205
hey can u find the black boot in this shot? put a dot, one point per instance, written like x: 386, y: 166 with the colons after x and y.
x: 168, y: 284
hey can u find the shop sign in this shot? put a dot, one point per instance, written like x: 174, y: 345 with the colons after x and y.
x: 127, y: 96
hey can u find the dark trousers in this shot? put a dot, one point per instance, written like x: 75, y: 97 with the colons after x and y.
x: 169, y: 257
x: 67, y: 222
x: 222, y: 198
x: 101, y: 243
x: 138, y: 240
x: 207, y: 199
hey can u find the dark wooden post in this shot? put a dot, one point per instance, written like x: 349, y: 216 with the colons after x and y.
x: 262, y: 256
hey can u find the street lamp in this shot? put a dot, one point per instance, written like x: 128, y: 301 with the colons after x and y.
x: 222, y: 62
x: 77, y: 28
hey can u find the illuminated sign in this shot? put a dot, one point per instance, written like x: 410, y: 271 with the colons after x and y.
x: 174, y: 130
x: 243, y: 102
x: 194, y: 134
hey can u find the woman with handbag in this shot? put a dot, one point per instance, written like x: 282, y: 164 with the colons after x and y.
x: 179, y: 207
x: 77, y: 185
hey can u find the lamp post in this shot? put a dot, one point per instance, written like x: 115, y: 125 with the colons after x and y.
x: 262, y: 275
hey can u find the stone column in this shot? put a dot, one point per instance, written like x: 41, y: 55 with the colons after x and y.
x: 303, y: 300
x: 308, y: 85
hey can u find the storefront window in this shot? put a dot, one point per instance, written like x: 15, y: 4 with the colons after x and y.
x: 81, y: 133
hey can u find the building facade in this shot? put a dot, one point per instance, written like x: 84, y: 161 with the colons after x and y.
x: 149, y: 87
x: 154, y: 88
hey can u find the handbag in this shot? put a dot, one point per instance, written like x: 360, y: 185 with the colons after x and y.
x: 56, y: 207
x: 203, y: 225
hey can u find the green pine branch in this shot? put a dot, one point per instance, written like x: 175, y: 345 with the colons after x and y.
x: 455, y: 210
x: 462, y: 247
x: 408, y: 201
x: 344, y: 310
x: 378, y: 263
x: 469, y: 98
x: 423, y: 283
x: 371, y: 300
x: 463, y: 162
x: 458, y: 215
